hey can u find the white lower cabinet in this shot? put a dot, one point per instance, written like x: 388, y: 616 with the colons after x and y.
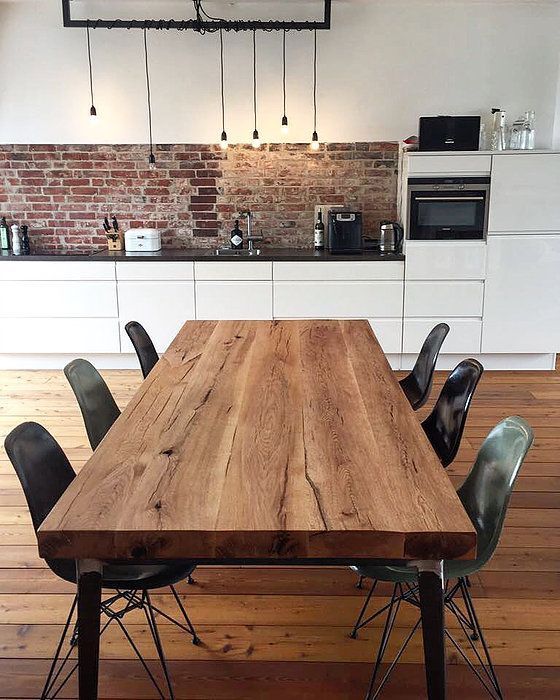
x: 388, y: 332
x: 522, y: 308
x: 161, y: 307
x: 58, y: 299
x: 337, y: 299
x: 234, y: 300
x: 69, y: 336
x: 464, y: 335
x: 443, y: 299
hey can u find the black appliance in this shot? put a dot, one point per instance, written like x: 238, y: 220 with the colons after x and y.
x: 448, y: 209
x: 345, y: 232
x: 449, y: 134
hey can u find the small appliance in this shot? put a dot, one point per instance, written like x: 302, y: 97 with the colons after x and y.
x: 448, y: 209
x: 345, y: 232
x: 140, y: 240
x: 449, y: 134
x: 391, y: 237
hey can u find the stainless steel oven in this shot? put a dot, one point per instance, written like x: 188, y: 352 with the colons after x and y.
x: 444, y: 209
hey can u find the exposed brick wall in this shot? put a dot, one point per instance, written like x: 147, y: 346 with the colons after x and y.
x: 63, y: 192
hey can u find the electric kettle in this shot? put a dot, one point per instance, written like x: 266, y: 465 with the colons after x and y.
x: 391, y: 237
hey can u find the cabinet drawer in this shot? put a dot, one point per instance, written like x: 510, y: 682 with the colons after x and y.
x: 56, y: 270
x: 59, y: 299
x: 234, y: 300
x: 449, y: 165
x: 445, y: 261
x: 337, y: 299
x: 161, y: 307
x: 71, y: 336
x: 464, y: 335
x: 155, y: 271
x: 338, y: 270
x: 443, y: 299
x: 222, y: 270
x: 388, y: 332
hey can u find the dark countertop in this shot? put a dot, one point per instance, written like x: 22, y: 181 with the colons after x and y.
x: 200, y: 254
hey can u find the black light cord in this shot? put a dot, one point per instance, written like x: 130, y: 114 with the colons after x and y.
x: 152, y: 157
x: 284, y: 68
x: 255, y: 76
x: 89, y: 63
x: 315, y: 80
x: 222, y: 80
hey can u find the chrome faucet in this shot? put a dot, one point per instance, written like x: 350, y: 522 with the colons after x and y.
x: 250, y: 238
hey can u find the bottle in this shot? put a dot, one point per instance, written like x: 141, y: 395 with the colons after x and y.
x: 499, y: 130
x: 4, y: 235
x: 319, y: 236
x: 236, y: 237
x: 528, y: 132
x: 16, y: 243
x: 25, y: 247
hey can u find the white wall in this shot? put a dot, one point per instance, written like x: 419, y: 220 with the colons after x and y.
x: 384, y: 63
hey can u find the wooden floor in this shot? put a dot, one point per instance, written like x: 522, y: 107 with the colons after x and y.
x: 283, y: 633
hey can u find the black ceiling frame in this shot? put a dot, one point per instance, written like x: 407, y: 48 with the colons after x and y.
x: 196, y: 25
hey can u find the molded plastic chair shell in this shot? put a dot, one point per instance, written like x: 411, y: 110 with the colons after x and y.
x: 145, y: 350
x: 446, y: 423
x: 96, y: 402
x: 417, y: 386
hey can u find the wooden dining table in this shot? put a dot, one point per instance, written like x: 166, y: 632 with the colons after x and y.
x: 264, y: 442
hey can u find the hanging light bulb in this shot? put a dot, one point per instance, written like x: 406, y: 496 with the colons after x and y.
x: 315, y: 138
x: 223, y: 137
x: 256, y: 141
x: 92, y: 111
x: 284, y: 127
x: 152, y: 158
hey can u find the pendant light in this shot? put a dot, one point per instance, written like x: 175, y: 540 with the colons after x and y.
x: 92, y: 111
x: 152, y: 158
x: 315, y: 138
x: 284, y: 128
x: 256, y: 142
x: 223, y: 137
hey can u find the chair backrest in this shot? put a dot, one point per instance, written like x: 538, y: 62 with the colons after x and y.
x: 418, y: 384
x: 486, y: 491
x: 445, y: 424
x: 96, y: 402
x: 145, y: 350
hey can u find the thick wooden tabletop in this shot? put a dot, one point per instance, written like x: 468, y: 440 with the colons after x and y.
x: 269, y: 440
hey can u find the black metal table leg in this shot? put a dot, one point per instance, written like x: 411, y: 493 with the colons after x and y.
x: 430, y: 576
x: 89, y: 613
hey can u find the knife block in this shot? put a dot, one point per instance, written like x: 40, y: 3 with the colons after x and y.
x: 115, y: 241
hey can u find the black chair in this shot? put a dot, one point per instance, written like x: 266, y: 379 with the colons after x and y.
x: 145, y: 350
x: 485, y: 494
x: 446, y: 423
x: 96, y: 402
x: 45, y: 473
x: 418, y: 384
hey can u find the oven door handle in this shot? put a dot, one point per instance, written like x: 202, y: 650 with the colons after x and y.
x: 448, y: 199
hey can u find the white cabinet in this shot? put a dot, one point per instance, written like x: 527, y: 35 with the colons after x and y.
x: 525, y: 193
x: 443, y: 299
x: 37, y: 270
x: 388, y: 332
x: 155, y: 270
x: 161, y: 307
x: 366, y: 270
x: 69, y: 336
x: 32, y: 299
x: 234, y: 300
x: 456, y: 164
x: 338, y: 299
x: 438, y: 260
x: 464, y: 335
x: 522, y: 309
x: 233, y: 270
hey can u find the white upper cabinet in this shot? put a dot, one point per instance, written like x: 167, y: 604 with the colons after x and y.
x: 525, y: 194
x: 521, y: 308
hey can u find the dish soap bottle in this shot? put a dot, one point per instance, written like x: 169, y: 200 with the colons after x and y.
x: 25, y: 247
x: 16, y: 243
x: 319, y: 234
x: 236, y: 237
x: 4, y: 235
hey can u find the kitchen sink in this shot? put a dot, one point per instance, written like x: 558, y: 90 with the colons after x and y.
x: 244, y: 253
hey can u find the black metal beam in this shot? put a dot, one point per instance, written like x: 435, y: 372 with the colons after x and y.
x: 195, y: 25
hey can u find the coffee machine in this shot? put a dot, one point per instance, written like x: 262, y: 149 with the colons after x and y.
x: 345, y: 232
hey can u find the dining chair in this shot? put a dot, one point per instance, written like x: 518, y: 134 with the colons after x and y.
x: 145, y: 350
x: 446, y: 423
x: 418, y: 384
x: 45, y: 473
x: 485, y: 495
x: 98, y: 407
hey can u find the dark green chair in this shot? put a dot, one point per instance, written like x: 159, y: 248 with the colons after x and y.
x: 485, y: 495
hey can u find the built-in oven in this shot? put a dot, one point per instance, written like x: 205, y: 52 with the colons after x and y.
x: 444, y: 208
